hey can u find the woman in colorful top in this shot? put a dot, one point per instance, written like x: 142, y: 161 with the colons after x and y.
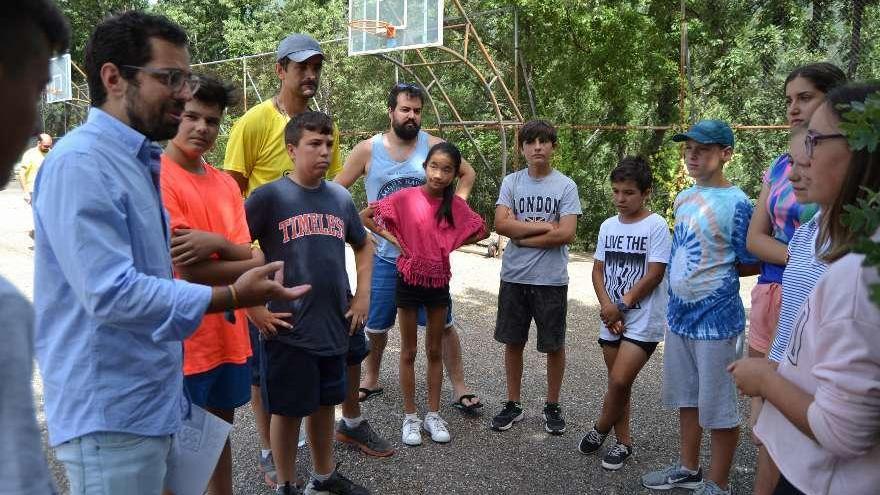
x: 776, y: 217
x: 820, y: 421
x: 426, y: 223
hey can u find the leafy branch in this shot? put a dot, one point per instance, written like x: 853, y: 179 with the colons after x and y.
x: 861, y: 125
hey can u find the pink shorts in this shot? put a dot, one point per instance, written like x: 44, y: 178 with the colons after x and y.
x: 764, y: 315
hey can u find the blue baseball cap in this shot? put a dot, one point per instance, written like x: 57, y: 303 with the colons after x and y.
x: 298, y: 47
x: 708, y: 132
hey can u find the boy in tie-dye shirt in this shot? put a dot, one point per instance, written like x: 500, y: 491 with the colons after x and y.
x: 705, y: 313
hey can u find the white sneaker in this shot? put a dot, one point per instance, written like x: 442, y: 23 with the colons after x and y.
x: 435, y: 425
x: 412, y: 435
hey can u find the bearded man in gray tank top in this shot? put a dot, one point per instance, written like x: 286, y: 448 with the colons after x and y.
x: 389, y: 162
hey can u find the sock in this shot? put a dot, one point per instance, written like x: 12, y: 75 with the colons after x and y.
x: 265, y: 452
x: 433, y: 413
x: 320, y: 478
x: 414, y: 416
x: 690, y: 471
x: 353, y: 422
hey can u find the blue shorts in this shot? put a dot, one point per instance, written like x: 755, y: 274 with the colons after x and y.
x: 358, y: 349
x: 296, y: 382
x: 383, y: 306
x: 225, y: 387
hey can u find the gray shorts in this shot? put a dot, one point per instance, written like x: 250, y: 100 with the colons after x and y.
x: 695, y: 375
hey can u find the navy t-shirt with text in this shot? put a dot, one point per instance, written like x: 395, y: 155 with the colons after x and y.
x: 307, y: 229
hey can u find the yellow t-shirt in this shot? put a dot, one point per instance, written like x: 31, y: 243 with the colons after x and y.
x: 256, y: 147
x: 30, y: 165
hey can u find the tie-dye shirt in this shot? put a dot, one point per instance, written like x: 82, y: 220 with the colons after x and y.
x: 786, y: 214
x: 708, y: 241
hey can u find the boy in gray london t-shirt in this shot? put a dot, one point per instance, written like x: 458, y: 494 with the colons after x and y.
x: 537, y: 209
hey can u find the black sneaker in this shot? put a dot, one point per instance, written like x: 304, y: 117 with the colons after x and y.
x: 616, y: 456
x: 592, y: 441
x: 287, y: 489
x: 337, y: 484
x: 511, y: 413
x: 553, y: 422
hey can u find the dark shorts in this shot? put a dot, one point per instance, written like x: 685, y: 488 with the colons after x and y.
x: 648, y: 347
x: 295, y: 382
x: 256, y: 353
x: 518, y: 304
x: 383, y: 308
x: 225, y: 387
x: 358, y: 349
x: 413, y: 296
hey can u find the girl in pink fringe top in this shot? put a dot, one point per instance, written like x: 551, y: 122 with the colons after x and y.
x: 426, y: 223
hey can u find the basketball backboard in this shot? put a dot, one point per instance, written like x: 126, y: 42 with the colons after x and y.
x: 59, y: 86
x: 377, y: 26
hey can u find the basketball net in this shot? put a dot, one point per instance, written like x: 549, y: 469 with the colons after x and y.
x: 377, y: 28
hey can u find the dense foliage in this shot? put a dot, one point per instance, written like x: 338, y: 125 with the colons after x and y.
x: 586, y: 62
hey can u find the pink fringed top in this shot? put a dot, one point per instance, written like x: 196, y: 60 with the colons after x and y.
x: 409, y: 215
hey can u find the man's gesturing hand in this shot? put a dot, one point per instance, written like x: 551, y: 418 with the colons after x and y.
x: 254, y: 287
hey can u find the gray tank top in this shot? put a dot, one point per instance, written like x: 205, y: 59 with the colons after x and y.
x: 388, y: 176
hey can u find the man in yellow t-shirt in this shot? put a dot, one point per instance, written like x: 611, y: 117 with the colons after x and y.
x: 255, y: 152
x: 30, y: 164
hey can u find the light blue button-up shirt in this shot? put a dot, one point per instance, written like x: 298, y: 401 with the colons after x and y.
x: 110, y: 317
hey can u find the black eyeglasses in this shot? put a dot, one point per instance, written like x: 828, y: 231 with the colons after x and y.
x: 175, y: 79
x: 813, y: 138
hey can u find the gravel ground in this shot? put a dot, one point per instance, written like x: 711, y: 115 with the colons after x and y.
x: 522, y: 460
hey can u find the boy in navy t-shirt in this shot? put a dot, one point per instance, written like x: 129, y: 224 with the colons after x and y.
x: 305, y: 221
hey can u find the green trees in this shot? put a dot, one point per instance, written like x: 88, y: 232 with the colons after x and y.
x: 586, y: 62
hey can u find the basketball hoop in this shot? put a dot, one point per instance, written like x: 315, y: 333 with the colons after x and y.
x: 377, y: 28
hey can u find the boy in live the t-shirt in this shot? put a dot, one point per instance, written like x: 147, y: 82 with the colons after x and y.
x: 305, y: 221
x: 629, y: 277
x: 210, y: 244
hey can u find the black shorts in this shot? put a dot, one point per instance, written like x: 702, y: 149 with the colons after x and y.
x: 413, y: 296
x: 518, y: 304
x: 296, y: 383
x: 648, y: 347
x: 358, y: 349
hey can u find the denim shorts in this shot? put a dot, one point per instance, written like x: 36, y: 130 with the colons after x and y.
x: 383, y: 301
x: 695, y: 375
x: 106, y: 463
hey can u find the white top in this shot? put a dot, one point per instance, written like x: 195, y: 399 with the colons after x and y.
x: 626, y: 249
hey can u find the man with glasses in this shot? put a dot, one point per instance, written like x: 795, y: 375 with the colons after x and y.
x: 110, y: 319
x: 388, y: 162
x: 256, y: 155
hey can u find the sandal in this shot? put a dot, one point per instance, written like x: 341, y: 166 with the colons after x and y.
x: 369, y: 393
x: 465, y: 408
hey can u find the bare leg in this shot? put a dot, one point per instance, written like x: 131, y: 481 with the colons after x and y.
x: 690, y: 433
x: 284, y: 432
x: 409, y: 341
x: 351, y: 408
x: 767, y: 475
x: 434, y: 353
x: 373, y: 363
x: 453, y: 362
x: 513, y: 368
x: 221, y: 478
x: 555, y: 372
x: 320, y: 433
x: 723, y: 447
x: 261, y: 417
x: 629, y: 360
